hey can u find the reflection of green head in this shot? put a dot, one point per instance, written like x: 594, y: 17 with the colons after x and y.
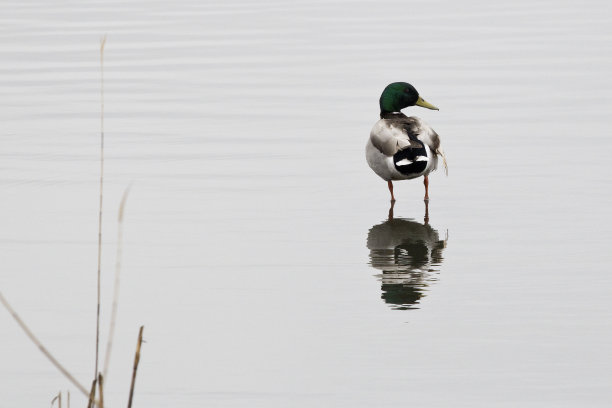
x: 405, y: 297
x: 400, y: 95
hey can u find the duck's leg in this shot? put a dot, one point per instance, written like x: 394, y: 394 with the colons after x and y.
x: 426, y: 182
x: 391, y: 210
x: 390, y: 184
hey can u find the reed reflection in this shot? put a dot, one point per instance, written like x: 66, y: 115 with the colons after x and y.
x: 408, y: 253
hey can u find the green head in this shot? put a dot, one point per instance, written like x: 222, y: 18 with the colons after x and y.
x: 400, y: 95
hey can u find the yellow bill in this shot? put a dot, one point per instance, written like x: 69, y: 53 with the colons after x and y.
x: 423, y: 103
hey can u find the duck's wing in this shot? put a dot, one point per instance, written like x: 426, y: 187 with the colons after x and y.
x: 417, y: 129
x: 390, y: 136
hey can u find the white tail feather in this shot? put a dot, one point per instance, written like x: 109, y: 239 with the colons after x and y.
x: 441, y: 154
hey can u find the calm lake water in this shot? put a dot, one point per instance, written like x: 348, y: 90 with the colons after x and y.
x: 258, y: 250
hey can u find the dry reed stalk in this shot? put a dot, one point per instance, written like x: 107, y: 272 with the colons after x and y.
x: 101, y: 389
x: 92, y: 394
x: 57, y: 397
x: 68, y: 400
x: 102, y: 43
x: 136, y: 361
x: 40, y: 346
x: 119, y: 255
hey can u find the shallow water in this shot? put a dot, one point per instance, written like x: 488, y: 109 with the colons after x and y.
x: 258, y: 250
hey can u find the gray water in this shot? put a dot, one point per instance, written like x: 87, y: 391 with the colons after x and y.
x: 258, y: 250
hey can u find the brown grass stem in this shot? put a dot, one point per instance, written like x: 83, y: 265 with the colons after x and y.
x: 92, y: 393
x: 57, y: 398
x: 101, y: 390
x: 102, y: 44
x: 119, y: 256
x: 40, y: 346
x: 136, y: 361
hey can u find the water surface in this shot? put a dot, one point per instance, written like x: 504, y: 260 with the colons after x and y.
x: 250, y: 230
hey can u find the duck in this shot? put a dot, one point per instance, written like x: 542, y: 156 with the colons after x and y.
x: 403, y: 147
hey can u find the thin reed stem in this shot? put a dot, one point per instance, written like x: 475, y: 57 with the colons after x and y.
x: 136, y: 361
x: 92, y: 393
x: 101, y: 390
x: 119, y: 255
x: 58, y: 396
x: 102, y: 43
x: 40, y: 346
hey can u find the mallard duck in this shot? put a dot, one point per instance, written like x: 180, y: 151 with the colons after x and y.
x: 402, y: 147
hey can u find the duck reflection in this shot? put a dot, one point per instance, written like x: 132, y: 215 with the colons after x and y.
x: 408, y: 254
